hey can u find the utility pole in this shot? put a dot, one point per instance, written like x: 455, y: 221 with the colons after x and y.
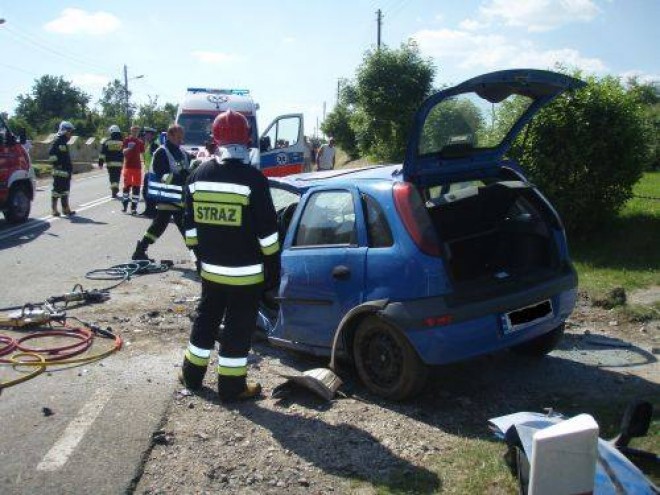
x: 126, y: 92
x: 338, y: 89
x: 323, y: 111
x: 379, y: 22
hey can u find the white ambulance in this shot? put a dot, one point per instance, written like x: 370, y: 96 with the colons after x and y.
x: 281, y: 150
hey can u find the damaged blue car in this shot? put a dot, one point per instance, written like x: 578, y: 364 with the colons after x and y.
x: 451, y: 255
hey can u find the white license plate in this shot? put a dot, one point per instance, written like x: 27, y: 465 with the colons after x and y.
x: 518, y: 319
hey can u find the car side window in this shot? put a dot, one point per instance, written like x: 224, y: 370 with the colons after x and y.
x: 328, y: 219
x: 378, y: 230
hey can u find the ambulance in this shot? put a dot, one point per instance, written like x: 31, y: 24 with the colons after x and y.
x: 281, y: 150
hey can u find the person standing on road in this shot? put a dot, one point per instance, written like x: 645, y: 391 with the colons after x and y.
x: 170, y: 167
x: 325, y: 160
x: 150, y: 147
x: 111, y: 154
x: 133, y: 149
x: 231, y: 226
x: 60, y: 158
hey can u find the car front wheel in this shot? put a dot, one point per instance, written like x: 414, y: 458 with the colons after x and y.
x: 386, y: 362
x: 18, y: 205
x: 542, y: 345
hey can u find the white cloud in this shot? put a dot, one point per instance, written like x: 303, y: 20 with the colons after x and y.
x: 288, y: 39
x: 472, y: 24
x: 641, y: 76
x: 490, y: 52
x: 78, y: 21
x: 540, y: 15
x: 89, y: 81
x: 209, y: 57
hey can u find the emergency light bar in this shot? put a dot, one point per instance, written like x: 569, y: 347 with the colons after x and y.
x: 238, y: 92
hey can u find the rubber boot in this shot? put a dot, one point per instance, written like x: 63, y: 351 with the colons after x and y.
x: 234, y: 388
x: 65, y: 207
x: 140, y: 252
x: 115, y: 191
x: 124, y: 205
x: 55, y: 212
x: 192, y: 375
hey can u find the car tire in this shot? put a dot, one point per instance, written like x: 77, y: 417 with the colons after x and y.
x: 386, y: 362
x: 18, y: 205
x: 542, y: 345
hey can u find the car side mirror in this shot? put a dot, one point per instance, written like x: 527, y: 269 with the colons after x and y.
x: 22, y: 135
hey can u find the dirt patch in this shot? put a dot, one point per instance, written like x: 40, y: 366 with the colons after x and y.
x: 296, y: 443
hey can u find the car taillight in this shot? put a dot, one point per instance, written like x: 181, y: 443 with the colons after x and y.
x: 438, y: 321
x: 415, y: 219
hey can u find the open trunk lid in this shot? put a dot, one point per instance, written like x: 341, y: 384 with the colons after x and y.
x: 467, y: 129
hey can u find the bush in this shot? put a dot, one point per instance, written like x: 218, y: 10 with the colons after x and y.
x: 586, y: 151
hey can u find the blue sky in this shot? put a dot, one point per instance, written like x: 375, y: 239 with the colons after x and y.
x: 291, y: 53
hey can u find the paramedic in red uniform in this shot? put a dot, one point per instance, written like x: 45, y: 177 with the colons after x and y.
x: 231, y: 225
x: 133, y: 149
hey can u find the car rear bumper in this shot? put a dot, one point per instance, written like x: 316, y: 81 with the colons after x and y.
x: 480, y: 327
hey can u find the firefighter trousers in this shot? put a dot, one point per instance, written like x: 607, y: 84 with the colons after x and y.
x: 114, y: 174
x: 160, y: 223
x: 238, y: 309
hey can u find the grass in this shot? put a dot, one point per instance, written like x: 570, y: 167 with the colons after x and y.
x: 626, y: 254
x: 42, y: 169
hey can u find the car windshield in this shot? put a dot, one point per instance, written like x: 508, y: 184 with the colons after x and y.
x: 460, y: 124
x: 197, y: 127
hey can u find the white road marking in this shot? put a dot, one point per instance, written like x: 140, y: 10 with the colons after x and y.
x: 59, y: 454
x: 36, y: 222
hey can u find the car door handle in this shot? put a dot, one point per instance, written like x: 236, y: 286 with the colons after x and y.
x: 341, y: 272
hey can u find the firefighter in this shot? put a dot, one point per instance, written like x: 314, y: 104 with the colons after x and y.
x: 60, y: 158
x: 113, y: 158
x: 169, y: 167
x: 231, y: 225
x: 133, y: 149
x: 150, y: 147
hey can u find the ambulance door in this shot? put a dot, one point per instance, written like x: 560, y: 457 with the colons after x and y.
x: 283, y: 148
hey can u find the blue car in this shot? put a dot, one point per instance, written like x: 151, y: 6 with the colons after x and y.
x: 452, y: 254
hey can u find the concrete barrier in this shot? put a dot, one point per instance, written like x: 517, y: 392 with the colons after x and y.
x: 83, y: 150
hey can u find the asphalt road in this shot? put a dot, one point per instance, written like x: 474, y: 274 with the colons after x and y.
x: 104, y: 414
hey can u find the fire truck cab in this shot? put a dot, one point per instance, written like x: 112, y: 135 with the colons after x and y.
x: 281, y: 150
x: 17, y: 177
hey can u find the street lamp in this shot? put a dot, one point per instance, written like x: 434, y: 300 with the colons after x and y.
x: 126, y: 79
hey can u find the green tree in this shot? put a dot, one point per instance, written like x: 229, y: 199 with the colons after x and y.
x: 151, y: 114
x: 648, y: 96
x: 585, y: 151
x: 338, y: 125
x: 51, y: 100
x: 114, y: 108
x: 390, y: 86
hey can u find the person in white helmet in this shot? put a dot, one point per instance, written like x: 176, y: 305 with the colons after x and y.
x: 113, y: 158
x: 60, y: 158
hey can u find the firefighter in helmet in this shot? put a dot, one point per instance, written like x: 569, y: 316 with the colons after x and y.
x: 60, y: 158
x: 231, y: 225
x: 113, y: 158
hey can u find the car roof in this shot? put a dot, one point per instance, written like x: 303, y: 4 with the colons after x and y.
x: 302, y: 182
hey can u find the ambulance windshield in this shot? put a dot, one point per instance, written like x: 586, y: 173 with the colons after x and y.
x: 197, y: 128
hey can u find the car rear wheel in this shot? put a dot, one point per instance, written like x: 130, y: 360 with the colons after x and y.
x: 542, y: 345
x: 18, y: 205
x: 386, y: 362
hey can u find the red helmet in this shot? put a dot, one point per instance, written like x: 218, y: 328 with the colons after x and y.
x: 231, y: 128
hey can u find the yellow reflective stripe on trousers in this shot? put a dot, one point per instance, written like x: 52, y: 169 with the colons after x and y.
x: 232, y: 366
x: 114, y: 164
x: 225, y: 371
x: 196, y: 360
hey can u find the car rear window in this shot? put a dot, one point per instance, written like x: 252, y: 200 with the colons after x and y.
x: 378, y: 230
